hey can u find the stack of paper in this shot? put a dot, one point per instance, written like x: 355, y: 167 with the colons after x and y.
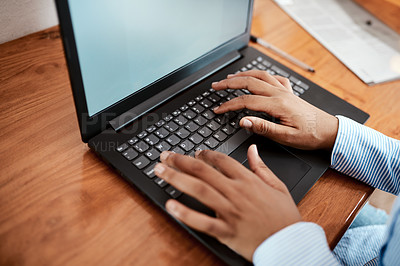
x: 362, y: 42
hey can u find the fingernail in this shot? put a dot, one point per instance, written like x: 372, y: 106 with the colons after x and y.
x: 214, y: 83
x: 197, y: 153
x: 247, y: 123
x: 159, y: 169
x: 171, y: 207
x: 216, y: 108
x: 255, y: 149
x: 230, y: 75
x: 164, y: 155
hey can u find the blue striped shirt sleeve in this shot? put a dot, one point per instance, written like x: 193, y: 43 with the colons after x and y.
x: 301, y: 243
x: 367, y: 155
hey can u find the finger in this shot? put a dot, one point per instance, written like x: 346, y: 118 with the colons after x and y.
x: 259, y: 74
x: 251, y: 102
x: 251, y: 84
x: 285, y: 82
x: 192, y: 186
x: 197, y: 168
x: 225, y: 164
x: 261, y: 170
x: 276, y: 132
x: 196, y: 220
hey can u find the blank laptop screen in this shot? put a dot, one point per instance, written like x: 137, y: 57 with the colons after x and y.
x: 125, y: 45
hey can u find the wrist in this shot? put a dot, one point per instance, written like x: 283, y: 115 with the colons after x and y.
x: 329, y: 130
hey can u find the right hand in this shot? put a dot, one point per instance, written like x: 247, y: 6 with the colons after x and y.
x: 302, y: 125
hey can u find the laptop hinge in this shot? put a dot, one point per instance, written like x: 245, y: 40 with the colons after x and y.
x: 139, y: 110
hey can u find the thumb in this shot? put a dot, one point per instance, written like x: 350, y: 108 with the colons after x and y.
x: 263, y: 127
x: 261, y: 170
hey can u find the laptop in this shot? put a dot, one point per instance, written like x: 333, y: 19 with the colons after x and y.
x: 141, y: 74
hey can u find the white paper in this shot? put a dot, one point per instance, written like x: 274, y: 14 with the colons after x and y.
x: 341, y: 26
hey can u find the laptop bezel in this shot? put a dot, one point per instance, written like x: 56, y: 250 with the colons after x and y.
x: 93, y: 125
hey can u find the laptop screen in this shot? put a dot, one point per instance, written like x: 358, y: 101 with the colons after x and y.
x: 125, y: 45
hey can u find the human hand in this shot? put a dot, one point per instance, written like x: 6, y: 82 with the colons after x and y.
x: 302, y: 125
x: 250, y: 205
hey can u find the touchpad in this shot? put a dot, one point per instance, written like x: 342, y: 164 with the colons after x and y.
x: 285, y: 165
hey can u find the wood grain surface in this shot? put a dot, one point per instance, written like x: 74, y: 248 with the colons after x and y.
x: 61, y: 205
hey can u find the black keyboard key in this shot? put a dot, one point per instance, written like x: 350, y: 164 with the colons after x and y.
x: 191, y: 126
x: 213, y: 125
x: 191, y: 153
x: 184, y: 108
x: 205, y: 94
x: 160, y: 123
x: 280, y: 71
x: 259, y: 59
x: 298, y: 89
x: 141, y: 146
x: 220, y: 136
x: 173, y: 140
x: 198, y: 108
x: 208, y: 114
x: 151, y: 139
x: 187, y: 145
x: 206, y: 103
x: 294, y: 80
x: 223, y: 119
x: 178, y: 150
x: 176, y: 112
x: 189, y: 114
x: 199, y: 98
x: 191, y: 103
x: 211, y: 142
x: 160, y: 182
x: 133, y: 140
x: 162, y: 133
x: 227, y: 129
x: 214, y: 98
x: 266, y: 63
x: 182, y: 133
x: 171, y: 126
x: 163, y: 146
x: 230, y: 97
x: 261, y: 67
x: 168, y: 118
x: 304, y: 86
x: 200, y: 120
x: 238, y: 93
x: 202, y: 147
x: 196, y: 138
x: 141, y: 162
x: 235, y: 123
x: 122, y: 147
x: 150, y: 171
x: 130, y: 154
x: 222, y: 94
x: 205, y: 132
x: 173, y: 192
x: 180, y: 120
x: 152, y: 154
x: 151, y: 129
x: 142, y: 134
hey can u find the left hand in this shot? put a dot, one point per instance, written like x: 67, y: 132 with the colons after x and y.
x: 250, y: 205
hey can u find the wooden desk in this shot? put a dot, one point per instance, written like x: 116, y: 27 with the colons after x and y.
x: 60, y: 204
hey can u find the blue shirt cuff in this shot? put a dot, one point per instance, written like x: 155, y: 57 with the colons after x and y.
x: 302, y: 243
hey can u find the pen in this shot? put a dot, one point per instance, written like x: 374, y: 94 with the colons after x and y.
x: 281, y: 53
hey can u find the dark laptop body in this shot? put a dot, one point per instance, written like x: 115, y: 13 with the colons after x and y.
x: 109, y: 131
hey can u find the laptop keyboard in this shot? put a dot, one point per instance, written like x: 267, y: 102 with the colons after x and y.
x: 194, y: 126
